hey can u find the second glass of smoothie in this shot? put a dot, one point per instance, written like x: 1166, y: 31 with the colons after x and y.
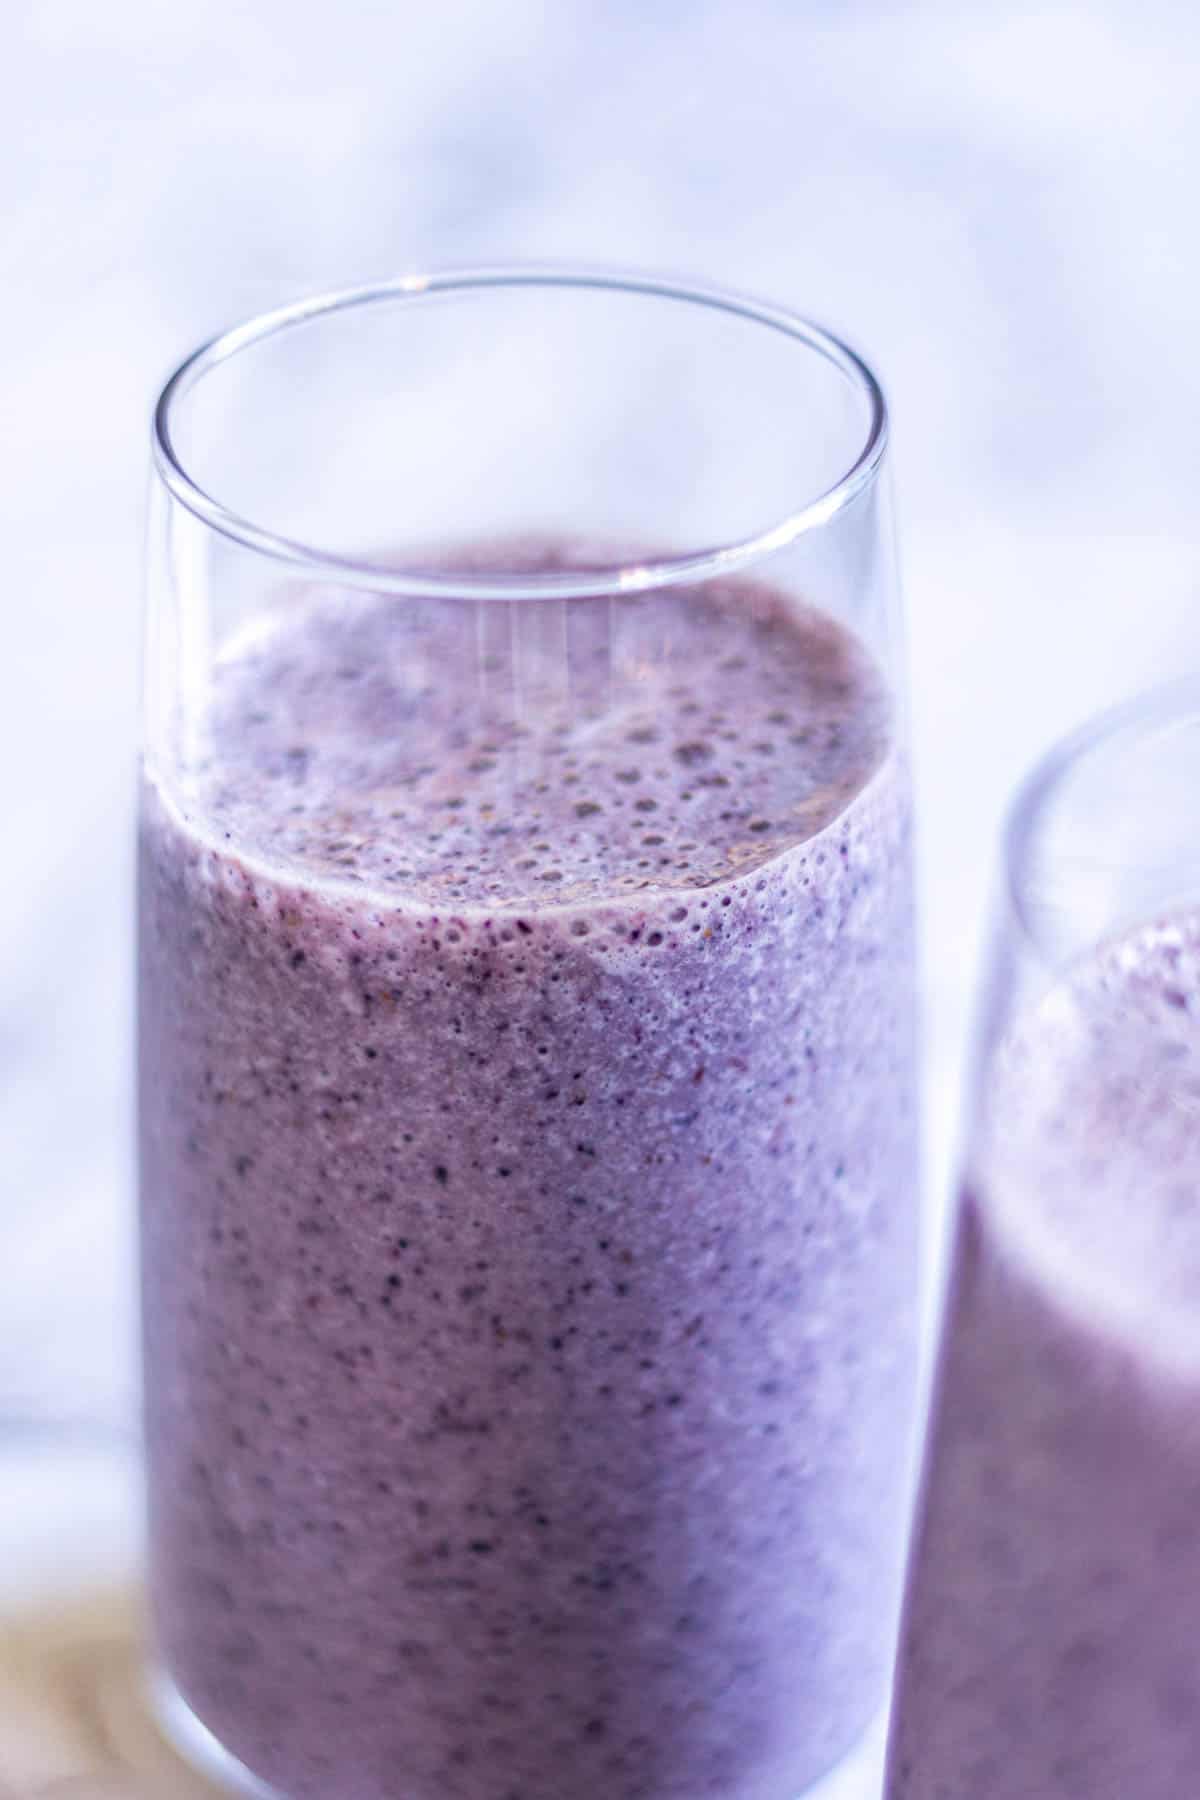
x: 528, y: 1122
x: 1051, y: 1645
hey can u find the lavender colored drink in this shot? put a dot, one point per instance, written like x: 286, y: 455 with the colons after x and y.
x: 529, y: 1191
x: 1051, y: 1649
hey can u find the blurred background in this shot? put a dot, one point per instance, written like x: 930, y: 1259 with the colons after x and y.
x: 997, y: 204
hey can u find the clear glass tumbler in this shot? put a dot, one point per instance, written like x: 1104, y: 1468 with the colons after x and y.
x: 528, y: 1126
x: 1051, y: 1644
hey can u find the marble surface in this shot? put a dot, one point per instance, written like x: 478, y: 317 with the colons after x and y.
x: 997, y: 204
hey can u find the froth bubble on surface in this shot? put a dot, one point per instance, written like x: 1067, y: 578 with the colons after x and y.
x: 536, y: 754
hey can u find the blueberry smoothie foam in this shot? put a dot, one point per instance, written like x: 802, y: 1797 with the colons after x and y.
x: 1051, y: 1648
x: 529, y: 1194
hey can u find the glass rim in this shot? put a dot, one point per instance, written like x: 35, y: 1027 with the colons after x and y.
x: 1165, y: 704
x: 644, y: 574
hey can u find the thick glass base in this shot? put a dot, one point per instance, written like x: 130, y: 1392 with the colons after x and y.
x: 859, y: 1774
x: 857, y: 1777
x: 195, y: 1743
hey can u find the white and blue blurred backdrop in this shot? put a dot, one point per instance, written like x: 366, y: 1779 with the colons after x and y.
x: 996, y: 203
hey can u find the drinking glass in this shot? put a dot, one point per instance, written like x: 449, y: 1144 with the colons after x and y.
x: 528, y: 1125
x: 1051, y: 1643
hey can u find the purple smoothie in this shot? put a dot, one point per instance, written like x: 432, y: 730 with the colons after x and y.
x: 1051, y: 1648
x: 529, y: 1193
